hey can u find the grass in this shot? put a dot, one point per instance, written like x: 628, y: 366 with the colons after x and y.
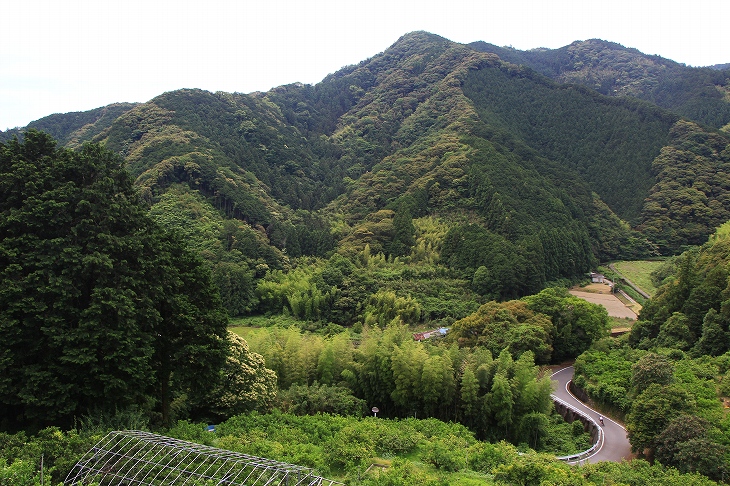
x: 620, y: 323
x: 639, y: 272
x: 263, y: 321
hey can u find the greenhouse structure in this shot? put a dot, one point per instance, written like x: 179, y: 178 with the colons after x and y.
x: 137, y: 458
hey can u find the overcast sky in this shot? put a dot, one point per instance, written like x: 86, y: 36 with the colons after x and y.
x: 60, y: 56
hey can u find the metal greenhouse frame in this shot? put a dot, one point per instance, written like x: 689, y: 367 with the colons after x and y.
x: 137, y: 458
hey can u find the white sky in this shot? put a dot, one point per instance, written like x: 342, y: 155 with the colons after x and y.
x: 60, y: 56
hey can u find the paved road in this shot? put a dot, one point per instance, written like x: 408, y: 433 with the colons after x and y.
x: 615, y: 445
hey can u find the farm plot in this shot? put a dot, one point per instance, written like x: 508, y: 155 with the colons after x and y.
x: 613, y: 305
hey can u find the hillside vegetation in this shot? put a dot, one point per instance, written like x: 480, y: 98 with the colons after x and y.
x: 611, y: 69
x: 670, y: 377
x: 71, y: 129
x: 641, y: 273
x: 432, y: 186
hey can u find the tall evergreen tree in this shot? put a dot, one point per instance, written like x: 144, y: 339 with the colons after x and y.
x: 97, y: 305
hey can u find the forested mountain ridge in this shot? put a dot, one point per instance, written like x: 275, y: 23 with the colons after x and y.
x: 698, y: 93
x: 533, y: 177
x: 430, y: 186
x: 72, y: 129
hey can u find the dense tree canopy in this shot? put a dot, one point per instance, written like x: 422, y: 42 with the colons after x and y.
x: 690, y: 311
x: 689, y: 199
x: 426, y: 186
x: 554, y: 325
x: 615, y: 70
x: 99, y: 308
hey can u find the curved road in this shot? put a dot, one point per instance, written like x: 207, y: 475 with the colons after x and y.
x: 615, y: 445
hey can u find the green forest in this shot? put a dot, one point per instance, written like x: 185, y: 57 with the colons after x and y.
x: 264, y: 262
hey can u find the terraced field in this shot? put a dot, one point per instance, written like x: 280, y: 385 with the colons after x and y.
x: 639, y: 273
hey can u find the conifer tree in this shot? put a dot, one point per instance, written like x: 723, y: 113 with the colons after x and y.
x: 99, y: 309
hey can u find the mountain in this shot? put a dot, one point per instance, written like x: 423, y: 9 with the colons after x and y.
x: 533, y: 180
x: 700, y: 94
x: 71, y: 129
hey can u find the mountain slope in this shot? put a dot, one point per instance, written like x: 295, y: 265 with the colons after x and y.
x: 71, y: 129
x: 532, y: 177
x: 610, y: 142
x: 700, y: 94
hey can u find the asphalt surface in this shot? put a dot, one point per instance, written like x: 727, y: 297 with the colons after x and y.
x: 615, y: 447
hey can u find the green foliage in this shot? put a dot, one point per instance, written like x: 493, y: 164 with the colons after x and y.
x: 295, y: 292
x: 99, y: 422
x: 553, y: 325
x: 19, y: 473
x: 574, y: 125
x: 292, y: 355
x: 650, y: 369
x: 652, y: 411
x: 509, y: 325
x: 446, y: 178
x: 615, y: 70
x: 402, y: 437
x: 686, y: 445
x: 446, y: 453
x: 639, y: 471
x: 606, y: 376
x: 72, y: 129
x: 671, y: 401
x: 714, y: 338
x: 688, y: 200
x: 402, y: 473
x: 555, y: 434
x: 402, y: 377
x: 576, y: 323
x: 185, y: 212
x: 533, y: 470
x: 383, y: 307
x: 492, y: 261
x: 349, y: 448
x: 21, y: 456
x: 485, y: 456
x: 101, y: 302
x: 315, y: 399
x: 688, y: 310
x: 427, y: 129
x: 228, y: 128
x: 416, y: 451
x: 245, y: 384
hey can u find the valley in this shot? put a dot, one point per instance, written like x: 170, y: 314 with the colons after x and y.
x: 260, y: 263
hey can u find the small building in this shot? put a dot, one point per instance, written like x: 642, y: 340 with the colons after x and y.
x: 597, y: 277
x: 422, y: 336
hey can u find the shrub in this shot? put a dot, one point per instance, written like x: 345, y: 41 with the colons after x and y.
x: 448, y: 453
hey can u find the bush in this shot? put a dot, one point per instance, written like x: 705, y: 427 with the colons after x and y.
x: 314, y: 399
x: 449, y: 454
x: 484, y: 457
x: 436, y: 428
x: 19, y: 473
x: 349, y: 448
x: 394, y: 438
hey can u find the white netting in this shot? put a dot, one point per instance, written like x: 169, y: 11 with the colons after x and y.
x: 138, y: 458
